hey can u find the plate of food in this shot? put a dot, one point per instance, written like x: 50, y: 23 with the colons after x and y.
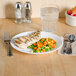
x: 36, y: 42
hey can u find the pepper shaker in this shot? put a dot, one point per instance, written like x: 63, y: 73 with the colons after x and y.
x: 27, y: 12
x: 18, y: 12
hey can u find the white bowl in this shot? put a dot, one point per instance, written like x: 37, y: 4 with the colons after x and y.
x: 70, y: 20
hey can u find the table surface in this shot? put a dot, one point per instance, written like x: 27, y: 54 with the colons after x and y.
x: 21, y: 64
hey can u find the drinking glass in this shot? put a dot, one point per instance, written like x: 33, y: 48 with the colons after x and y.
x: 49, y: 17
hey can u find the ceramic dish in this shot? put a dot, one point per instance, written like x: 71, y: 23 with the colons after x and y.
x: 58, y: 39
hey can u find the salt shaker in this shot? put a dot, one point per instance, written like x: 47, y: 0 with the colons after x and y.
x: 18, y: 12
x: 27, y: 12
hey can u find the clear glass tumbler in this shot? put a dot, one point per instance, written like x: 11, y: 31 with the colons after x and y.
x: 49, y: 17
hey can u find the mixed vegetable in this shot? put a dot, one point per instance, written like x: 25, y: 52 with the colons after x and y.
x: 43, y: 45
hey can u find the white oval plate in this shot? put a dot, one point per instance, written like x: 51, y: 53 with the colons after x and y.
x: 58, y: 39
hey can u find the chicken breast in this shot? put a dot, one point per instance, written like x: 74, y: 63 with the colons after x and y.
x: 25, y: 41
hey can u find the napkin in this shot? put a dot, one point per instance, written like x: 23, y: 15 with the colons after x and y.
x: 60, y: 51
x: 74, y: 47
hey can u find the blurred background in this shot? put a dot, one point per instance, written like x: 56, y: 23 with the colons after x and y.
x: 7, y: 6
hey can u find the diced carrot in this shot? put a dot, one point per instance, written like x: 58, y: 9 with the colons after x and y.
x: 35, y: 47
x: 43, y: 50
x: 38, y: 50
x: 34, y: 44
x: 49, y: 41
x: 52, y: 45
x: 52, y: 41
x: 39, y: 44
x: 45, y: 43
x: 43, y: 38
x: 48, y: 37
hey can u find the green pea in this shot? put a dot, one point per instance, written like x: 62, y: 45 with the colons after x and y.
x: 36, y: 51
x: 40, y: 50
x: 55, y: 43
x: 49, y: 39
x: 29, y: 47
x: 51, y: 48
x: 43, y: 47
x: 32, y: 46
x: 46, y: 49
x: 41, y: 41
x: 35, y: 46
x: 48, y: 45
x: 44, y: 40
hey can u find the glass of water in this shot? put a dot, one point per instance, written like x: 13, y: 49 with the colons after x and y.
x: 49, y: 17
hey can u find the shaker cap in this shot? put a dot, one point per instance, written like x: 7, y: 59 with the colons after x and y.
x: 27, y: 5
x: 18, y: 5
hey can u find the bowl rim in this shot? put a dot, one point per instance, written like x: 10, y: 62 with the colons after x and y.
x: 69, y: 15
